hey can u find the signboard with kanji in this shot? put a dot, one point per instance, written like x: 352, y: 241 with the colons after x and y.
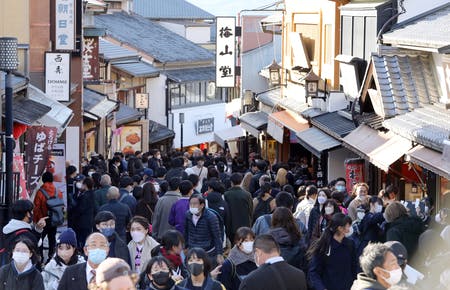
x: 141, y: 101
x: 354, y: 172
x: 57, y: 76
x: 205, y: 126
x: 65, y: 25
x: 91, y: 66
x: 225, y: 52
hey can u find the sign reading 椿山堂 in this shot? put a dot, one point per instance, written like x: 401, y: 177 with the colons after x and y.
x: 225, y: 52
x: 65, y: 25
x: 57, y: 76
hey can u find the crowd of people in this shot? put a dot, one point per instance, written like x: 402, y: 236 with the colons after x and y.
x: 211, y: 222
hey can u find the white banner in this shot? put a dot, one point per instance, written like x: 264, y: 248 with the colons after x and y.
x: 57, y: 76
x: 65, y: 25
x: 225, y: 52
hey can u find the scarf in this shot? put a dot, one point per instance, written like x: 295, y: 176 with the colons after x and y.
x: 173, y: 258
x: 238, y: 257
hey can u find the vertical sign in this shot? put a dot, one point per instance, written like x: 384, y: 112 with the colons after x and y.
x: 65, y: 25
x: 91, y: 66
x: 57, y: 76
x: 141, y: 101
x: 225, y: 52
x: 56, y: 164
x: 354, y: 172
x: 18, y: 166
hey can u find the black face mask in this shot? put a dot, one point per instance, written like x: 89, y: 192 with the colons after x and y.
x: 161, y: 278
x: 195, y: 268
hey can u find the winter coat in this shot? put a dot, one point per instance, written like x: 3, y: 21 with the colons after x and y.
x: 145, y: 209
x: 206, y: 234
x: 293, y: 251
x: 235, y: 268
x: 177, y: 215
x: 122, y: 213
x: 17, y: 228
x: 240, y: 204
x: 84, y: 211
x: 100, y: 196
x: 128, y: 199
x: 217, y: 203
x: 370, y: 230
x: 263, y: 223
x: 40, y: 202
x: 10, y: 279
x: 146, y: 255
x: 336, y: 269
x: 208, y: 284
x: 53, y: 272
x: 364, y: 282
x: 254, y: 183
x: 405, y: 230
x: 160, y: 222
x: 118, y: 248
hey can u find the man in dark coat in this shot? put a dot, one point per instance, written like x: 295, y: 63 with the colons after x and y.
x: 100, y: 194
x: 273, y: 272
x: 240, y: 205
x: 80, y: 275
x: 126, y: 196
x: 120, y: 210
x: 254, y: 183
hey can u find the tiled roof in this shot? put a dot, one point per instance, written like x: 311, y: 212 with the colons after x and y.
x: 137, y: 69
x: 96, y: 105
x: 111, y: 51
x: 317, y: 141
x: 428, y: 126
x: 192, y: 74
x: 158, y: 132
x: 151, y: 38
x: 257, y: 120
x: 127, y: 114
x: 18, y: 82
x: 27, y: 111
x: 169, y: 9
x: 370, y: 119
x: 404, y: 82
x: 294, y: 104
x: 333, y: 124
x: 427, y: 30
x: 270, y: 98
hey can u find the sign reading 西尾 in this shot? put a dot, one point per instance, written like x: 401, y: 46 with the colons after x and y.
x: 205, y: 126
x: 65, y: 25
x: 225, y: 52
x: 57, y: 76
x: 141, y: 101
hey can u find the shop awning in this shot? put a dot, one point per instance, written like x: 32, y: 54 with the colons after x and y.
x: 254, y: 122
x: 429, y: 159
x: 59, y: 116
x: 333, y: 124
x: 26, y: 111
x: 270, y: 98
x: 192, y: 74
x: 158, y: 132
x: 381, y: 149
x: 228, y: 134
x: 288, y: 119
x: 137, y: 69
x: 97, y: 106
x: 127, y: 114
x: 316, y: 141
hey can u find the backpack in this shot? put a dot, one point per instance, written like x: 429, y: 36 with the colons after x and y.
x: 55, y: 206
x: 221, y: 224
x: 7, y: 241
x: 262, y: 208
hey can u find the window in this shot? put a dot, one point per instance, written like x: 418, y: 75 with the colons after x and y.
x: 311, y: 39
x: 194, y: 93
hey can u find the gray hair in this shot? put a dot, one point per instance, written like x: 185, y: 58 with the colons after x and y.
x: 373, y: 256
x: 113, y: 193
x: 105, y: 180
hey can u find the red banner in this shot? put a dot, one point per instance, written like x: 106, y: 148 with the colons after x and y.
x: 40, y: 143
x: 18, y: 166
x: 354, y: 172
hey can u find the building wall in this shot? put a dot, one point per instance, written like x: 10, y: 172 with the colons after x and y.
x: 174, y: 27
x: 156, y: 87
x: 14, y: 21
x: 443, y: 74
x: 198, y: 34
x: 336, y: 162
x: 415, y: 7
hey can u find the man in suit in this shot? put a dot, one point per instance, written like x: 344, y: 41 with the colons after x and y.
x: 273, y: 272
x: 80, y: 275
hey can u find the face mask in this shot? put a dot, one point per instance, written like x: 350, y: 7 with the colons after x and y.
x: 21, y: 258
x: 394, y: 276
x: 360, y: 215
x: 350, y: 233
x: 158, y: 156
x: 195, y: 268
x: 65, y: 255
x: 340, y: 188
x: 194, y: 210
x: 107, y: 232
x: 321, y: 199
x: 97, y: 256
x: 79, y: 185
x: 161, y: 278
x: 329, y: 210
x: 137, y: 236
x: 437, y: 218
x: 247, y: 247
x: 378, y: 208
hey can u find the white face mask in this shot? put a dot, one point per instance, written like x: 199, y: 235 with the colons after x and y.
x: 438, y: 219
x: 247, y: 247
x: 137, y: 236
x: 378, y: 208
x: 79, y: 185
x: 329, y: 210
x: 350, y: 232
x: 194, y: 210
x: 394, y: 276
x: 321, y: 199
x: 360, y: 215
x: 21, y: 258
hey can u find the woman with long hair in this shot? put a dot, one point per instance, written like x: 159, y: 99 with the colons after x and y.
x: 281, y: 177
x: 333, y: 261
x: 159, y: 275
x: 245, y: 184
x: 146, y: 205
x: 316, y: 214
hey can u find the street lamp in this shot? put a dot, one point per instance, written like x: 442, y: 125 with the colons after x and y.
x: 275, y: 73
x: 181, y: 120
x: 8, y: 63
x: 311, y: 85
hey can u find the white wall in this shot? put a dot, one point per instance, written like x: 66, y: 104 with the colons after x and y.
x: 191, y: 116
x: 415, y: 7
x: 443, y: 74
x: 174, y: 27
x: 156, y: 87
x: 336, y: 162
x: 198, y: 34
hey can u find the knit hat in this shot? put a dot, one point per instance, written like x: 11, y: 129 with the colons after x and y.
x: 111, y: 268
x: 394, y: 211
x: 67, y: 237
x: 399, y: 251
x: 148, y: 172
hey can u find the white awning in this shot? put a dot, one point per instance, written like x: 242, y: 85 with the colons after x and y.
x: 228, y: 134
x: 430, y: 159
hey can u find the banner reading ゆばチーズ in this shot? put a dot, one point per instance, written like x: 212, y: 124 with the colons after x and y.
x: 40, y: 143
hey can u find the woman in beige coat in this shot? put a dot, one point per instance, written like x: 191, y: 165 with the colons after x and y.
x: 141, y: 245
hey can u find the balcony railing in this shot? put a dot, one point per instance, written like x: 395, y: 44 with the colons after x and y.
x: 16, y: 187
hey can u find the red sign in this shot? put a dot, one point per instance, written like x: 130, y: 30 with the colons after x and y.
x: 18, y: 166
x: 40, y: 143
x: 354, y: 172
x: 91, y: 65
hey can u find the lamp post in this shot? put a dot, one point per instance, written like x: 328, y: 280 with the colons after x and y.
x: 181, y: 120
x: 8, y: 63
x: 275, y: 73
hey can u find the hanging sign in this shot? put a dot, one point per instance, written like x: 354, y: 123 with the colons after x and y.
x: 141, y: 101
x: 225, y: 52
x: 354, y: 172
x: 65, y: 25
x: 57, y: 76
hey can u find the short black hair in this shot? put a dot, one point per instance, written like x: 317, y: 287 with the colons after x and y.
x: 174, y: 183
x: 284, y: 199
x: 104, y: 216
x: 236, y: 178
x: 341, y: 179
x: 160, y: 172
x: 201, y: 254
x: 89, y: 182
x: 216, y: 186
x: 373, y: 255
x: 47, y: 177
x: 198, y: 196
x: 391, y: 189
x: 138, y: 192
x: 171, y: 238
x: 20, y: 208
x: 311, y: 190
x: 193, y: 178
x: 185, y: 187
x: 242, y: 233
x: 265, y: 188
x: 266, y: 243
x: 70, y: 170
x: 159, y: 260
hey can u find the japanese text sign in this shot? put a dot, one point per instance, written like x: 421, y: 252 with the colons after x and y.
x: 91, y: 67
x: 205, y: 126
x: 40, y: 143
x: 141, y: 101
x: 65, y: 25
x: 225, y: 52
x: 57, y: 76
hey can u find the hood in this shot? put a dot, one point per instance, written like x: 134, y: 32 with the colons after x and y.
x: 408, y: 224
x: 214, y: 197
x: 15, y: 225
x: 364, y: 282
x: 281, y: 236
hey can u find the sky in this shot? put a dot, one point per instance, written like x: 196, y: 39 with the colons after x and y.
x: 229, y: 7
